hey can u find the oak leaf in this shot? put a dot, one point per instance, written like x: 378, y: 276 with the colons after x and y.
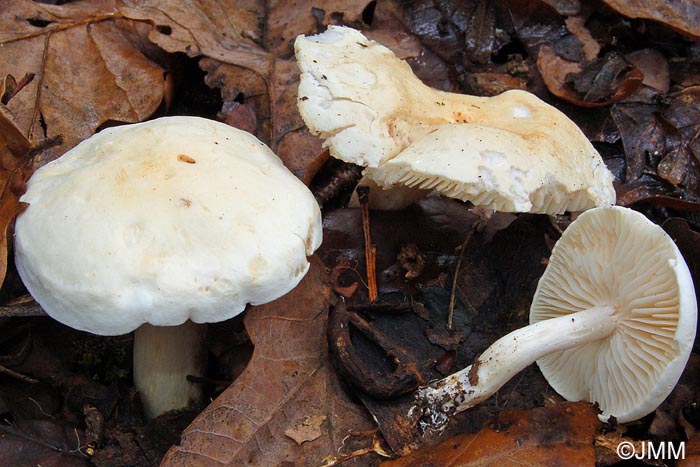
x: 113, y: 77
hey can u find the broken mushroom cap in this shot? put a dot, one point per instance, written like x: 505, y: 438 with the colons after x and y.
x: 357, y: 95
x: 636, y: 268
x: 160, y: 222
x: 373, y: 111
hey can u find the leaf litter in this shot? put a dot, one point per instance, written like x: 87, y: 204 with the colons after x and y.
x: 630, y: 83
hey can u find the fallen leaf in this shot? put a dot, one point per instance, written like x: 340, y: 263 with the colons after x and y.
x: 285, y: 20
x: 682, y: 15
x: 661, y: 151
x: 15, y: 169
x: 576, y: 25
x: 654, y: 66
x: 601, y: 83
x: 228, y: 31
x: 308, y: 430
x: 113, y: 78
x: 287, y: 379
x: 20, y: 447
x: 272, y: 101
x: 692, y: 452
x: 560, y: 434
x: 565, y: 7
x: 641, y: 134
x: 403, y: 45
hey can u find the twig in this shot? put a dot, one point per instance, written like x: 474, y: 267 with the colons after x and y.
x: 27, y: 379
x: 451, y: 310
x: 370, y: 250
x: 375, y: 448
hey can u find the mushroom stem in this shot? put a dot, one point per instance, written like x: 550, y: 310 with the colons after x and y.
x: 508, y: 356
x: 163, y: 357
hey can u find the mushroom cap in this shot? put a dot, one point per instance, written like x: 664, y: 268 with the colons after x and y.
x: 615, y: 256
x: 501, y: 170
x: 173, y: 219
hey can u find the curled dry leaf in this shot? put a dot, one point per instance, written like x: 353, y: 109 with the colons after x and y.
x: 597, y: 85
x: 560, y: 434
x: 287, y: 380
x: 682, y: 15
x: 112, y: 78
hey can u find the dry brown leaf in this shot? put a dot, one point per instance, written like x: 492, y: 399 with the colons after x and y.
x: 403, y: 45
x: 560, y: 434
x: 692, y: 452
x: 111, y: 78
x: 308, y: 430
x: 654, y: 66
x: 286, y: 20
x: 15, y: 169
x: 682, y: 15
x: 287, y: 380
x: 224, y: 30
x: 576, y: 25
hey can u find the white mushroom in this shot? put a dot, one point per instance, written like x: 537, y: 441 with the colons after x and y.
x: 612, y: 321
x: 373, y: 111
x: 176, y: 219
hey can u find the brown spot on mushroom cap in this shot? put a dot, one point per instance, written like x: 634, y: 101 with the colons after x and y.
x: 186, y: 159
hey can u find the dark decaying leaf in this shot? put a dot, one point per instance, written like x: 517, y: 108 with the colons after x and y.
x: 661, y: 146
x: 597, y: 84
x: 641, y: 134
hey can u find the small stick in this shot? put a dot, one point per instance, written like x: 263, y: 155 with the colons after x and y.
x: 375, y: 448
x: 451, y: 310
x: 7, y: 371
x: 370, y: 250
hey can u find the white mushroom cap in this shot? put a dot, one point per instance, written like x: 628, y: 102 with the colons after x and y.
x: 174, y: 219
x: 617, y: 257
x: 500, y: 170
x: 373, y: 111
